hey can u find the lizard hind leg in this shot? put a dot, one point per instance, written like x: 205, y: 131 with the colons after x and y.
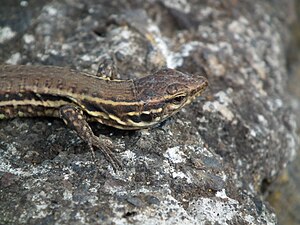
x: 75, y: 119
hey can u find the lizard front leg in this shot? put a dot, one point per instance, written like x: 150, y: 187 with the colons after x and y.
x: 74, y: 118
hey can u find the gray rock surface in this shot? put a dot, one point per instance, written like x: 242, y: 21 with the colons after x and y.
x: 284, y: 194
x: 209, y: 164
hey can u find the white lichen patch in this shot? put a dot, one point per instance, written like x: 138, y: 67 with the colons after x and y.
x: 220, y: 105
x: 253, y: 133
x: 200, y: 150
x: 50, y: 10
x: 121, y: 40
x: 180, y: 5
x: 129, y: 155
x: 24, y: 3
x: 28, y: 38
x: 86, y: 58
x: 181, y: 175
x: 175, y: 173
x: 168, y: 212
x: 274, y: 104
x: 216, y: 210
x: 176, y: 59
x: 14, y: 59
x: 81, y: 217
x: 67, y: 195
x: 6, y: 33
x: 175, y: 155
x: 262, y: 120
x: 239, y: 26
x: 250, y: 219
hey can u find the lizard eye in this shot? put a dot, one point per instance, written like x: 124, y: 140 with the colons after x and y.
x: 178, y: 100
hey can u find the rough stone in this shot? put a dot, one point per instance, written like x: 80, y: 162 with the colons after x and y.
x: 209, y: 164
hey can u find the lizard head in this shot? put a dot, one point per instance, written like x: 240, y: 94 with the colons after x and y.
x: 163, y: 94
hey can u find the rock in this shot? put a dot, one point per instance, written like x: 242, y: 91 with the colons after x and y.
x: 209, y: 164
